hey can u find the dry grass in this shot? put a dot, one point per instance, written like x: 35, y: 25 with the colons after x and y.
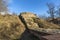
x: 10, y: 27
x: 45, y: 24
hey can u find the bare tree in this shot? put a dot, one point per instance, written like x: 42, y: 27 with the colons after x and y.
x: 58, y: 11
x: 3, y: 6
x: 51, y: 10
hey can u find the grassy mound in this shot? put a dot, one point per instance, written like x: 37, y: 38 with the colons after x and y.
x: 11, y: 27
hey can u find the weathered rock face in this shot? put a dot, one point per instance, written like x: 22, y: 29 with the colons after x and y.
x: 39, y: 25
x: 11, y: 27
x: 33, y: 23
x: 28, y: 18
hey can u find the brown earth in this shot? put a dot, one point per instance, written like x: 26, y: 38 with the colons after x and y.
x: 53, y: 37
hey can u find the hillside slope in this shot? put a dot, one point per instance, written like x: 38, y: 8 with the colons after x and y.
x: 11, y: 27
x: 34, y: 23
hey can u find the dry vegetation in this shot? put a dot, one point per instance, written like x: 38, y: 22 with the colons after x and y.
x: 10, y: 27
x: 45, y: 24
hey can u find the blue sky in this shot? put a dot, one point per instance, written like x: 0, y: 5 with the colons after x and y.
x: 38, y: 7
